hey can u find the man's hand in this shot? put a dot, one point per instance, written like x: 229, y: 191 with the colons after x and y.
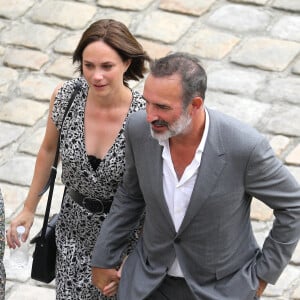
x: 261, y: 287
x: 106, y: 280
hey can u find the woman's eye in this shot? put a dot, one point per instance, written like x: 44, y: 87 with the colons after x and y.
x: 107, y: 67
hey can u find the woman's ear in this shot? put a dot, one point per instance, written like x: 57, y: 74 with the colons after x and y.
x: 127, y: 63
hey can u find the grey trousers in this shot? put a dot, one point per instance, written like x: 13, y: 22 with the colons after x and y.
x: 172, y: 288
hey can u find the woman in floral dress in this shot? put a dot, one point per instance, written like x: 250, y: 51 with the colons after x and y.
x: 91, y: 148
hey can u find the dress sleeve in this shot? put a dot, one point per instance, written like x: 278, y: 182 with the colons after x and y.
x: 61, y: 102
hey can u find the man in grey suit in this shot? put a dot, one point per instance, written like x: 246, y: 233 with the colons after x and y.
x: 194, y: 173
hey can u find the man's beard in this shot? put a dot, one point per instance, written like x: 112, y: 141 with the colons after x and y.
x: 178, y: 127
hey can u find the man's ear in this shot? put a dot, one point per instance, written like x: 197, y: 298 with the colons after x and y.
x: 197, y: 103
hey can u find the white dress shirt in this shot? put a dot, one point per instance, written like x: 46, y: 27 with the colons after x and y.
x: 178, y: 193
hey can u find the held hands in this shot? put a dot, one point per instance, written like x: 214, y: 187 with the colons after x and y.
x: 107, y: 280
x: 24, y: 218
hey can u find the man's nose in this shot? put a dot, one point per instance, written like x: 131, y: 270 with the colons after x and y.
x: 151, y: 116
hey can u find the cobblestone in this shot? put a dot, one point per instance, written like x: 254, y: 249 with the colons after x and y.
x: 14, y: 8
x: 280, y: 120
x: 32, y: 144
x: 30, y: 35
x: 38, y: 87
x: 232, y: 17
x: 62, y: 13
x: 296, y: 256
x: 235, y: 81
x: 7, y: 75
x: 23, y: 58
x: 281, y: 90
x: 296, y: 172
x: 210, y: 43
x: 296, y: 68
x: 290, y: 5
x: 65, y: 44
x: 279, y: 143
x: 263, y: 53
x: 233, y: 105
x: 250, y: 49
x: 190, y: 7
x: 261, y: 2
x: 13, y: 111
x: 26, y: 292
x: 62, y: 67
x: 9, y: 133
x: 164, y: 26
x: 18, y: 170
x: 287, y: 28
x: 294, y: 156
x: 125, y: 4
x: 155, y: 49
x: 296, y: 294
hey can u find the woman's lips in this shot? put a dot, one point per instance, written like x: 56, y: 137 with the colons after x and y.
x: 100, y: 86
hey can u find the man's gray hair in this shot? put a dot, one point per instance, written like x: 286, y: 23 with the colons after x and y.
x: 187, y: 66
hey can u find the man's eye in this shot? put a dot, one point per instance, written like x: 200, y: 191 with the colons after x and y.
x: 164, y: 107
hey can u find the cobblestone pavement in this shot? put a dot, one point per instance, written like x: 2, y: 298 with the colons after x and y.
x: 250, y: 49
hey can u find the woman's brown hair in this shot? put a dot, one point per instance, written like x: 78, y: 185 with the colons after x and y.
x: 117, y: 36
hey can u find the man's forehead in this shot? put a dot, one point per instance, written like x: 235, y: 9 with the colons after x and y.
x: 172, y: 77
x: 162, y: 89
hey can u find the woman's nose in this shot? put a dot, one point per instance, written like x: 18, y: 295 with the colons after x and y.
x: 98, y: 74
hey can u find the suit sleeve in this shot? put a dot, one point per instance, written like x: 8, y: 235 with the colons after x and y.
x: 126, y: 210
x: 268, y: 180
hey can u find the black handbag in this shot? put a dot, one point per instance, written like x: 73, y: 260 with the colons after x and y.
x: 44, y: 255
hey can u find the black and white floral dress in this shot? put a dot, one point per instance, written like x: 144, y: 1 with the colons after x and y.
x: 78, y: 228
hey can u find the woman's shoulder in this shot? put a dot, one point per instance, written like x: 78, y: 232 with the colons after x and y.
x: 138, y: 102
x: 63, y: 97
x: 68, y: 87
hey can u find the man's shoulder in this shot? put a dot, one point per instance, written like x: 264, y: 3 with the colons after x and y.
x: 137, y: 118
x: 137, y: 122
x: 233, y: 133
x: 138, y: 129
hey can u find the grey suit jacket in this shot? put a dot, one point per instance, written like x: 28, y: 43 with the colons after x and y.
x: 215, y: 245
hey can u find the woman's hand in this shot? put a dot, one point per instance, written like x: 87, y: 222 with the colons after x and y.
x: 24, y: 218
x: 106, y: 280
x: 111, y: 289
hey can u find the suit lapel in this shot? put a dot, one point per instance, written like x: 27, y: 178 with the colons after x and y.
x: 212, y: 164
x: 156, y: 178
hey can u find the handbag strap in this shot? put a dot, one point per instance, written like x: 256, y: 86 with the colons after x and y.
x: 51, y: 180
